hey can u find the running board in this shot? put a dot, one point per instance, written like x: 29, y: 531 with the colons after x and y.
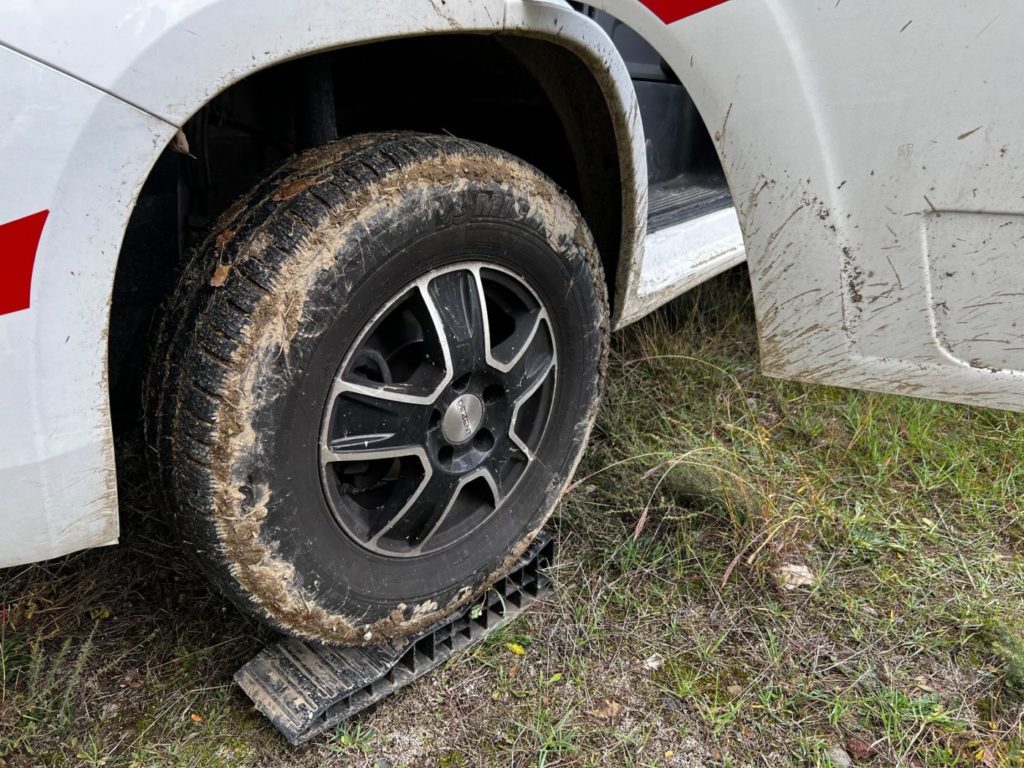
x: 681, y: 257
x: 304, y: 688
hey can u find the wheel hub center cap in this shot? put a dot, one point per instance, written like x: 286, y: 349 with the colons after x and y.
x: 462, y: 419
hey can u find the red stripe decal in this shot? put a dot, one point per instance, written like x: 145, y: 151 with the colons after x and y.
x: 19, y: 241
x: 674, y: 10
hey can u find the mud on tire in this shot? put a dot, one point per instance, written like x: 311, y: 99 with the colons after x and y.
x: 375, y: 380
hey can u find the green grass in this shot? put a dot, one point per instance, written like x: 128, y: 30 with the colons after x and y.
x: 669, y: 641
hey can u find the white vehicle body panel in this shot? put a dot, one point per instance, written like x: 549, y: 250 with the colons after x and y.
x: 171, y: 58
x: 874, y: 157
x: 864, y: 143
x: 82, y: 155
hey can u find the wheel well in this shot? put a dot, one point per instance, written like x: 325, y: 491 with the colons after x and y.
x: 530, y: 97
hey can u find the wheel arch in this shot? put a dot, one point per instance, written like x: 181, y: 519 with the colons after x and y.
x: 573, y: 66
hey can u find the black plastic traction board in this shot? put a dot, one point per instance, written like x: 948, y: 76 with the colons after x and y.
x: 304, y: 688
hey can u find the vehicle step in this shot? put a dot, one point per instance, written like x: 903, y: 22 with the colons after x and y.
x: 685, y: 197
x: 304, y: 688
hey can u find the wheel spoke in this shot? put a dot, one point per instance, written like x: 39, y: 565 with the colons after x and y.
x: 398, y: 357
x: 456, y: 303
x: 505, y: 464
x: 532, y: 363
x: 379, y: 487
x: 374, y: 422
x: 419, y: 515
x: 532, y: 371
x: 505, y: 355
x: 458, y: 502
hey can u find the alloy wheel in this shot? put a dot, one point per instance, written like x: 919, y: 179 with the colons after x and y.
x: 437, y: 410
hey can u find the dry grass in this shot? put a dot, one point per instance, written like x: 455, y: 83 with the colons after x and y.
x: 669, y: 640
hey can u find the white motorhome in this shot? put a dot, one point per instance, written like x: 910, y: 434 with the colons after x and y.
x: 353, y: 264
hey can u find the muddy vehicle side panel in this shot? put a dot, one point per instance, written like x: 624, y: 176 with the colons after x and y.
x: 876, y: 164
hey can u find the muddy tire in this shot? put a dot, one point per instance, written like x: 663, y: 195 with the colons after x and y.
x: 374, y: 382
